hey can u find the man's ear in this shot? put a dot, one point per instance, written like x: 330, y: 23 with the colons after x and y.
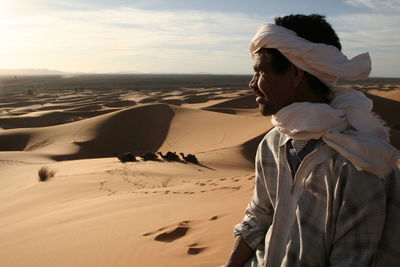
x: 298, y: 76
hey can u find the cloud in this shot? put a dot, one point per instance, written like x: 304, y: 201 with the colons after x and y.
x: 119, y: 39
x: 377, y: 34
x: 362, y: 31
x: 128, y: 36
x: 376, y: 4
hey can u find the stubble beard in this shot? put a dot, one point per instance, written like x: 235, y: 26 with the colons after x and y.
x: 265, y: 109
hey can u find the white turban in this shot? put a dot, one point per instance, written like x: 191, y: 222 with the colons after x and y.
x: 325, y: 62
x: 366, y: 146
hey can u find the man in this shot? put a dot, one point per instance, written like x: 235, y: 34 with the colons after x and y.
x: 327, y: 189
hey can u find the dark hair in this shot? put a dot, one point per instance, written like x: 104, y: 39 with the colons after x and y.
x: 311, y: 27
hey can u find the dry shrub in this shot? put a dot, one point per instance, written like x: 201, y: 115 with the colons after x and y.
x: 45, y: 173
x: 165, y: 182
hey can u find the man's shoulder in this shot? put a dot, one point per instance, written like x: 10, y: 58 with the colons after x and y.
x: 344, y: 169
x: 270, y: 142
x: 273, y: 136
x: 271, y: 139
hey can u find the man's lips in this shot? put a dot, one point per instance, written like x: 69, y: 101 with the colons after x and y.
x: 260, y: 98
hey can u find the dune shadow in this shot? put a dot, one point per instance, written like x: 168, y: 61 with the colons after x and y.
x: 386, y: 109
x: 151, y: 99
x: 121, y: 103
x: 13, y: 141
x: 140, y: 130
x: 196, y: 99
x: 49, y: 119
x: 204, y: 166
x: 242, y: 102
x: 249, y: 148
x: 176, y: 102
x: 221, y: 110
x: 395, y: 138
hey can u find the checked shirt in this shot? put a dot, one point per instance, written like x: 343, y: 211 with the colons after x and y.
x: 328, y: 214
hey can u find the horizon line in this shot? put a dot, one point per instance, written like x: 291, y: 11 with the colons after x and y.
x: 50, y: 72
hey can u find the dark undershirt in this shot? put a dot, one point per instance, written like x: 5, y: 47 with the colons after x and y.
x: 295, y: 158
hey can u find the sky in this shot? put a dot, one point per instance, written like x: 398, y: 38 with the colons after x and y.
x: 179, y: 36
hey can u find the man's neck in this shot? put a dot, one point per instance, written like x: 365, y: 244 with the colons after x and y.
x: 306, y: 94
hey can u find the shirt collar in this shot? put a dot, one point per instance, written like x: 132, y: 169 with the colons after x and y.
x: 283, y: 139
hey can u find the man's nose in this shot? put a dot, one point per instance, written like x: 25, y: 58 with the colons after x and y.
x: 253, y: 82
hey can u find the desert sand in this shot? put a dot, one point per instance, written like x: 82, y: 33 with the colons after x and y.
x: 98, y: 211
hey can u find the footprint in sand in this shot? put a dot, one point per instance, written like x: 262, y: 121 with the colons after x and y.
x: 177, y: 233
x: 181, y: 229
x: 152, y: 233
x: 194, y: 249
x: 170, y: 236
x: 213, y: 218
x: 102, y: 183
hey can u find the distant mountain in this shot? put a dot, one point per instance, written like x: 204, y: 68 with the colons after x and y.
x: 125, y: 72
x: 30, y: 72
x: 55, y: 72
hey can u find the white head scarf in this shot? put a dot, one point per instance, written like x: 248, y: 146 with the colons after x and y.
x: 367, y: 144
x: 321, y: 60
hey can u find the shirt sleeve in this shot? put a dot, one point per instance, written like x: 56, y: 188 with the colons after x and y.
x: 388, y: 253
x: 259, y: 211
x: 360, y: 200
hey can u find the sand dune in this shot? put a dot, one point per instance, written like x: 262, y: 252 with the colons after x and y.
x: 139, y: 129
x: 97, y: 211
x: 386, y: 108
x: 241, y: 102
x: 244, y: 105
x: 42, y: 119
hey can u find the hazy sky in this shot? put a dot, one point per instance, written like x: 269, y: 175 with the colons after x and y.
x: 179, y: 36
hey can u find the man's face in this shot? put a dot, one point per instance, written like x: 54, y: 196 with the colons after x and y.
x: 273, y: 91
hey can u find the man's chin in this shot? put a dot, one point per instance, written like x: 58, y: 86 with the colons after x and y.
x: 265, y: 110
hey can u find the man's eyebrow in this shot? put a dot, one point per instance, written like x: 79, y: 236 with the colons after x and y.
x: 259, y: 66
